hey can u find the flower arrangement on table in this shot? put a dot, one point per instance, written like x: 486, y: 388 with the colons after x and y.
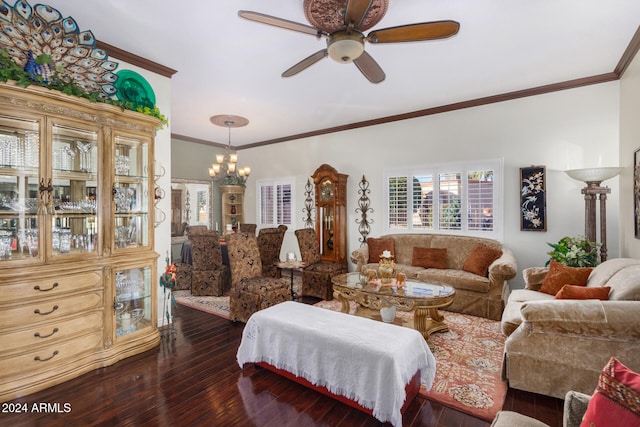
x: 575, y: 252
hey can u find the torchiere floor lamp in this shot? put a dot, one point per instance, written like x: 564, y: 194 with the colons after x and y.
x: 593, y: 177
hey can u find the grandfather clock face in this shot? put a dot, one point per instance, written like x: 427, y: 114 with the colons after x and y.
x: 326, y: 191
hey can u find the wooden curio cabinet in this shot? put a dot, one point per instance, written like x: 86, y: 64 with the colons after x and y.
x: 331, y: 213
x: 77, y: 266
x: 232, y: 207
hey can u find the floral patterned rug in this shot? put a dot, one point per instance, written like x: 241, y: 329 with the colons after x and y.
x: 468, y: 363
x: 213, y: 305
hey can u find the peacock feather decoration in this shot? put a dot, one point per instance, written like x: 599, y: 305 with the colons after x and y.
x: 39, y: 39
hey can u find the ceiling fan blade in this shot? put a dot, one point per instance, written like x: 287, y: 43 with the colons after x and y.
x: 415, y: 32
x: 355, y: 11
x: 282, y: 23
x: 306, y: 63
x: 369, y: 67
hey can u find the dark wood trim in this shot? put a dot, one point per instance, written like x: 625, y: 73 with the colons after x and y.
x: 136, y: 60
x: 629, y: 53
x: 570, y: 84
x: 199, y: 141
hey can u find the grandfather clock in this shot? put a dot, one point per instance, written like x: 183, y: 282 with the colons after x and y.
x: 331, y: 213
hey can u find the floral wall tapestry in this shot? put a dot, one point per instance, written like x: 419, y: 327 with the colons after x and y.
x: 533, y: 201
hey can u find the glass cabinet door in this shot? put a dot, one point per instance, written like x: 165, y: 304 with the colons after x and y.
x: 131, y: 193
x: 132, y: 303
x: 19, y: 189
x: 75, y: 164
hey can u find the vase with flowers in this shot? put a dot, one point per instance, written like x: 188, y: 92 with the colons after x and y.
x: 575, y: 252
x: 386, y: 267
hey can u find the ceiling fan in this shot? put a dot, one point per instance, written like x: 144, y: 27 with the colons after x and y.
x: 346, y: 44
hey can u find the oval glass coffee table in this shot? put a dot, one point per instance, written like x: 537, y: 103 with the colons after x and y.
x: 423, y: 299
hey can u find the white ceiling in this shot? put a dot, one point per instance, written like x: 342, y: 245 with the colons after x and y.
x: 228, y: 65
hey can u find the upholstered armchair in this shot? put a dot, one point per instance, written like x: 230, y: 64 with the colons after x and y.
x: 209, y: 275
x: 250, y: 290
x: 248, y: 228
x: 269, y: 245
x: 196, y: 229
x: 184, y: 271
x: 316, y: 277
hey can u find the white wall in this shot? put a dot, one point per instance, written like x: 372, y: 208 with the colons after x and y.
x: 563, y: 130
x: 629, y: 142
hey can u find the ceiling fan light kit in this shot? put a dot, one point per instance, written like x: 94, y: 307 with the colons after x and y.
x: 346, y: 44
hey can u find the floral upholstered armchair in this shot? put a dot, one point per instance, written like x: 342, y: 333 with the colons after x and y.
x: 184, y: 270
x: 316, y: 277
x: 269, y: 244
x: 248, y: 228
x: 250, y: 290
x: 209, y: 276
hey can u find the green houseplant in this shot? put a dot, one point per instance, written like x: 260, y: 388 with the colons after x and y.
x: 575, y: 252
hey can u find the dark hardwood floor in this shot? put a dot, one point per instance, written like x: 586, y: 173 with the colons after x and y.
x: 194, y: 379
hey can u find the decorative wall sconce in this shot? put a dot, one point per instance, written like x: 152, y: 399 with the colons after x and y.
x: 364, y: 209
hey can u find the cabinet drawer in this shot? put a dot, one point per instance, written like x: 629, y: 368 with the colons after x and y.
x: 50, y: 286
x: 62, y: 354
x: 48, y: 310
x: 51, y: 332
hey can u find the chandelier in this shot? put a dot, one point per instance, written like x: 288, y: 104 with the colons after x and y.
x: 226, y: 165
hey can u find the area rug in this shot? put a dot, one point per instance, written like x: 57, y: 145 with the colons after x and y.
x: 468, y: 363
x: 213, y: 305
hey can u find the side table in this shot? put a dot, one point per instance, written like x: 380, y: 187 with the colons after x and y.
x: 292, y: 266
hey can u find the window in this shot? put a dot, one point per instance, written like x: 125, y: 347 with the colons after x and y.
x: 451, y: 198
x: 275, y: 202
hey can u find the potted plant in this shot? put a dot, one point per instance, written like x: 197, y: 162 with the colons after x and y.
x: 575, y: 252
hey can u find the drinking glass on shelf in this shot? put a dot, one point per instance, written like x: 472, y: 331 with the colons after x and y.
x: 33, y: 242
x: 123, y: 199
x: 123, y: 163
x: 85, y: 158
x: 6, y: 238
x: 65, y: 240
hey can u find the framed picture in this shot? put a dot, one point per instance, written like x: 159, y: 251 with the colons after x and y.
x: 533, y: 201
x: 636, y: 192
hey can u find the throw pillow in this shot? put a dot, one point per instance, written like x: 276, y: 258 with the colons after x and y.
x: 480, y: 259
x: 560, y: 275
x: 379, y: 245
x: 617, y: 397
x: 429, y: 257
x: 582, y: 292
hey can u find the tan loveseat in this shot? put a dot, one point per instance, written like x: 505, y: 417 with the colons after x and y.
x: 554, y: 346
x: 482, y: 296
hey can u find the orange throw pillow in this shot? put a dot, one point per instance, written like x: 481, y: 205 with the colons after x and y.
x: 616, y: 398
x: 429, y: 257
x: 480, y: 259
x: 379, y: 245
x: 560, y: 275
x: 582, y: 292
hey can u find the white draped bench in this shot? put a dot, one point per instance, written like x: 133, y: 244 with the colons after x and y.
x: 369, y: 364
